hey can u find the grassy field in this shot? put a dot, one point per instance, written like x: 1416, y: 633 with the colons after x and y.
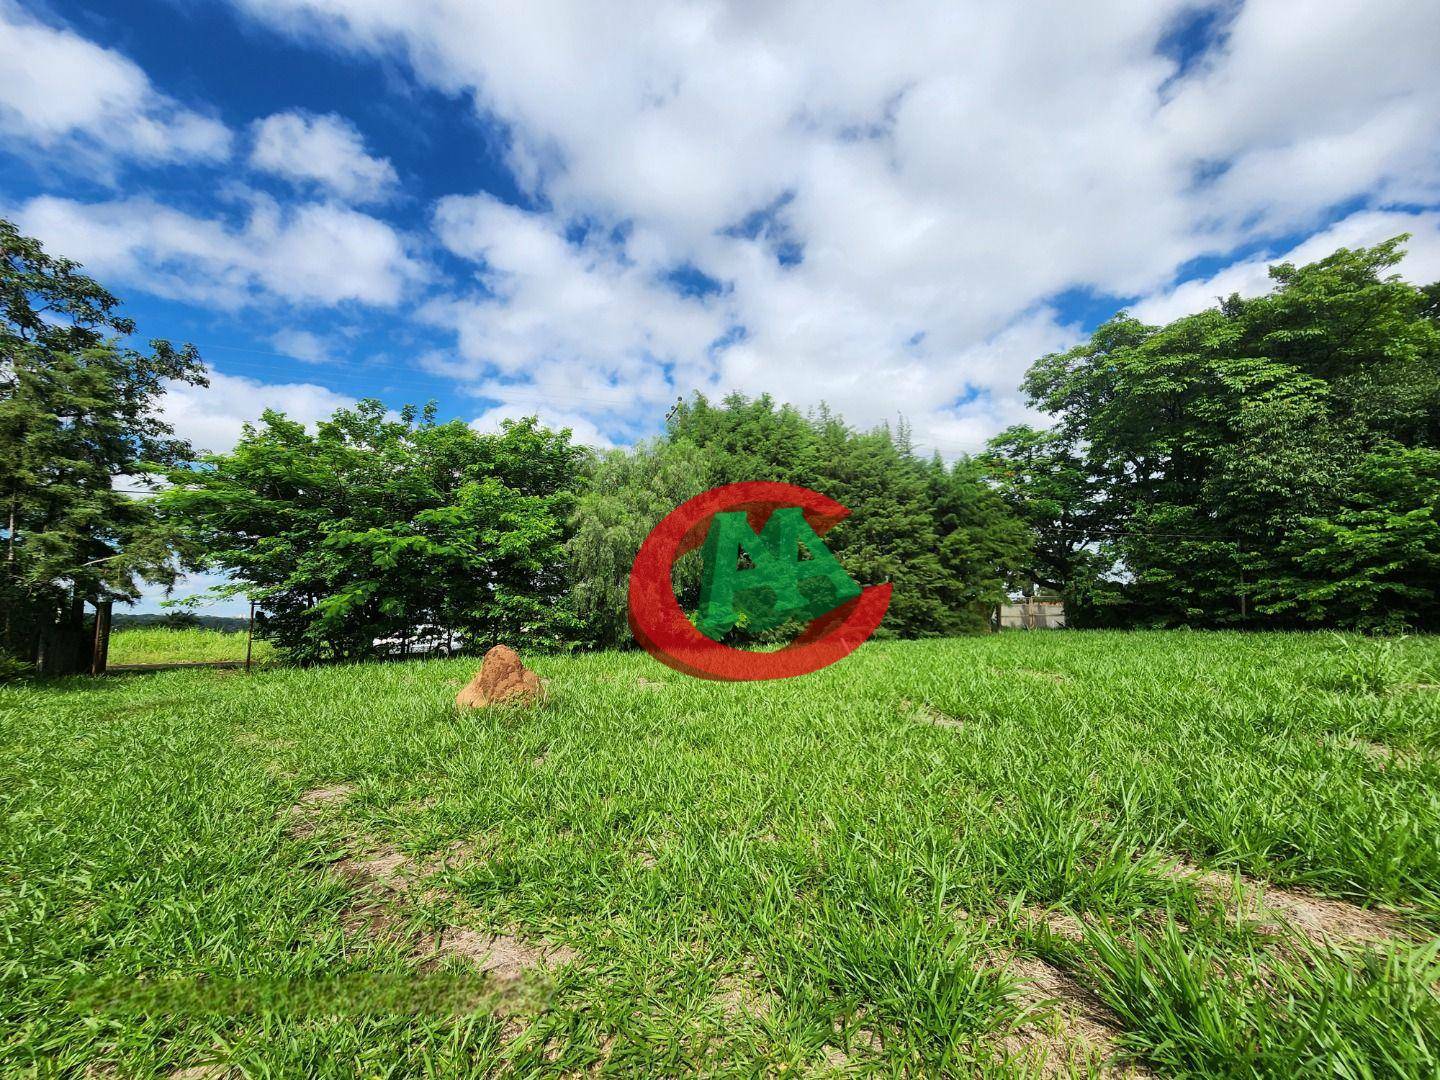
x: 165, y: 645
x: 1039, y: 853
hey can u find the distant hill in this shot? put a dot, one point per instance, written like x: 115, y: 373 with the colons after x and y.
x: 228, y: 623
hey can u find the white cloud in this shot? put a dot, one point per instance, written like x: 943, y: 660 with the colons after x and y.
x: 318, y: 253
x: 943, y: 168
x: 303, y: 345
x: 582, y: 428
x: 212, y: 418
x: 1314, y: 102
x: 1251, y: 277
x: 58, y: 90
x: 560, y: 321
x: 324, y: 150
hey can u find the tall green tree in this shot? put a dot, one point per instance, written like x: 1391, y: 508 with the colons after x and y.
x: 372, y: 527
x: 626, y: 494
x: 79, y: 410
x: 939, y: 535
x: 1374, y: 563
x: 1217, y: 447
x: 986, y: 549
x: 1043, y: 477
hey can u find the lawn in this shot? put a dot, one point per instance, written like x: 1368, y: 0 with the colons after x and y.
x: 1168, y: 853
x: 173, y: 645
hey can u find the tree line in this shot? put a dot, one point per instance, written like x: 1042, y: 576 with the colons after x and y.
x: 1271, y: 462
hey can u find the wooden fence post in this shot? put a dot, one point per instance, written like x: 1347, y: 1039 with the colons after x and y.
x: 100, y: 653
x: 249, y: 637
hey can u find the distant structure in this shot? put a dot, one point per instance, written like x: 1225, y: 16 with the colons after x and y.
x: 1032, y: 613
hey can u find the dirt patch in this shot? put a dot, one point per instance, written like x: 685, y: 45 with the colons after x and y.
x: 387, y: 881
x: 1386, y: 756
x: 851, y: 1045
x: 382, y: 869
x: 649, y: 684
x: 1068, y: 1031
x: 928, y: 714
x: 373, y: 919
x: 454, y: 854
x: 305, y: 814
x: 1062, y: 924
x: 254, y: 740
x: 503, y: 957
x: 740, y: 995
x: 324, y: 796
x: 1321, y: 919
x: 1376, y: 751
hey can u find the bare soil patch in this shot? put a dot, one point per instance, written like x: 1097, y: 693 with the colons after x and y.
x: 503, y: 957
x: 1071, y: 1031
x: 1060, y: 923
x: 1321, y: 919
x: 382, y: 870
x: 454, y: 854
x: 741, y: 995
x: 385, y: 878
x: 928, y: 714
x: 324, y: 796
x: 1378, y: 752
x: 304, y: 816
x: 852, y: 1045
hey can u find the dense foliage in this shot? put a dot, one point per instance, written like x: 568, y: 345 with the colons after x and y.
x: 78, y: 410
x: 937, y: 532
x: 1272, y: 461
x: 374, y: 527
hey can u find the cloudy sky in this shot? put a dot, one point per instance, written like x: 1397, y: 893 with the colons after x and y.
x: 586, y: 210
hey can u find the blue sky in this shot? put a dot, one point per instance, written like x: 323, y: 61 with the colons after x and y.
x: 572, y: 210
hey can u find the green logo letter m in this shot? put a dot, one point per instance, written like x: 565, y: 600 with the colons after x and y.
x: 779, y: 586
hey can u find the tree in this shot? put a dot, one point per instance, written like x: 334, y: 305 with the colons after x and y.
x: 626, y: 494
x: 940, y: 535
x: 1375, y: 564
x: 985, y: 548
x: 77, y: 411
x: 1217, y: 447
x: 372, y: 527
x: 1043, y: 478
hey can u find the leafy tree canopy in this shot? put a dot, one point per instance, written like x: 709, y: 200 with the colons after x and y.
x: 1243, y: 465
x: 939, y: 533
x: 374, y: 527
x: 78, y: 410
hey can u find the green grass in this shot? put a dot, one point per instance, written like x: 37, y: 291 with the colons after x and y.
x: 166, y: 645
x: 801, y: 877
